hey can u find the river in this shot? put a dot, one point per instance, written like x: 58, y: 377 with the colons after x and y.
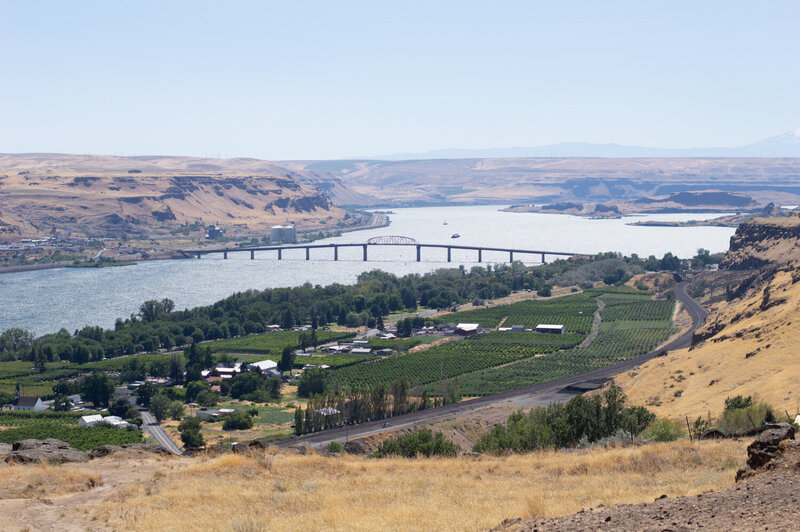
x: 46, y: 300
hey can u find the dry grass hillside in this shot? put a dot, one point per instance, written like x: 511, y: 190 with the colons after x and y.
x: 286, y: 491
x: 546, y: 179
x: 104, y: 194
x: 747, y: 347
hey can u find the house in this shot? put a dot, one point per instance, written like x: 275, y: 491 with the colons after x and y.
x: 361, y: 351
x: 264, y: 365
x: 467, y: 329
x: 273, y: 328
x: 26, y: 402
x: 549, y: 328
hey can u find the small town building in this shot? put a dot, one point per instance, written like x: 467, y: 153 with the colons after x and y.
x: 215, y: 231
x: 517, y: 328
x: 361, y: 351
x: 549, y: 328
x: 26, y: 402
x: 467, y: 329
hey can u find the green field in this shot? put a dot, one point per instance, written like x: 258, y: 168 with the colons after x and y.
x: 273, y: 343
x: 62, y: 426
x: 575, y: 312
x: 632, y: 324
x: 617, y: 340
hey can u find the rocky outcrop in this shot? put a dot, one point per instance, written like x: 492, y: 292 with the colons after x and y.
x: 49, y: 450
x: 762, y: 242
x: 766, y: 448
x: 5, y: 450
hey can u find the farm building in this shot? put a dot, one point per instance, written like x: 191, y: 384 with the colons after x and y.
x: 94, y: 419
x: 517, y: 328
x: 551, y: 328
x: 283, y: 233
x: 467, y: 329
x: 264, y: 365
x: 361, y: 351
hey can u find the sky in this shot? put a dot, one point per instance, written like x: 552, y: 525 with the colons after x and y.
x: 324, y: 80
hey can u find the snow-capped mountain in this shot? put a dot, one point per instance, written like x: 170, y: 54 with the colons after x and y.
x: 784, y: 145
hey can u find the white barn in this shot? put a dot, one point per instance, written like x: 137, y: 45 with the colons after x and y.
x: 551, y: 328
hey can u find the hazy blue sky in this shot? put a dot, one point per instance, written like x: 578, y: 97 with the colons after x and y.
x: 301, y: 79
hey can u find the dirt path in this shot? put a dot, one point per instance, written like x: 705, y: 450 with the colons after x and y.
x: 595, y: 326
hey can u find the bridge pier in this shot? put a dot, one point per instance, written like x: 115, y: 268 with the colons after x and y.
x: 224, y: 254
x: 510, y: 256
x: 252, y: 254
x: 308, y: 253
x: 199, y: 255
x: 419, y: 253
x: 480, y: 255
x: 365, y: 253
x: 279, y: 254
x: 335, y: 252
x: 449, y: 249
x: 543, y: 261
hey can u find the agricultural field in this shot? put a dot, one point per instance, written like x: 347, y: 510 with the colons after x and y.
x: 15, y: 426
x: 575, y: 312
x: 273, y: 343
x: 617, y: 340
x: 402, y: 344
x: 631, y: 324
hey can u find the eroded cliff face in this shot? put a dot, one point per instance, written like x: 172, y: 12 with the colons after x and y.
x: 114, y: 195
x: 762, y: 242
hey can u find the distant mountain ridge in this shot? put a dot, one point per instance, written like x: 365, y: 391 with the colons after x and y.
x: 784, y: 145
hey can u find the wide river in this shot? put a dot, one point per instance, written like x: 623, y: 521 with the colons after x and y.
x: 46, y: 300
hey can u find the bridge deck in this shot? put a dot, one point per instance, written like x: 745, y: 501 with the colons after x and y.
x: 364, y: 245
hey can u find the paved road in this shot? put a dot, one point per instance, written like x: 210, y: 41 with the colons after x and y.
x: 538, y: 394
x: 152, y: 427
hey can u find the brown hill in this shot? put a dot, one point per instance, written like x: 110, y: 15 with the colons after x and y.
x: 555, y: 179
x: 110, y: 195
x: 749, y: 347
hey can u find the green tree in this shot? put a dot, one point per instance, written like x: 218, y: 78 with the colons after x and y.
x: 61, y: 404
x: 175, y: 410
x: 287, y: 360
x: 237, y: 421
x: 159, y: 406
x: 298, y: 421
x: 119, y: 407
x: 192, y: 439
x: 145, y: 394
x: 97, y: 388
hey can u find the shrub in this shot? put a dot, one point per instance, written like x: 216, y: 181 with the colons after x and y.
x: 192, y: 439
x: 737, y: 420
x: 335, y: 447
x: 238, y: 421
x: 664, y: 430
x: 422, y: 442
x: 734, y: 403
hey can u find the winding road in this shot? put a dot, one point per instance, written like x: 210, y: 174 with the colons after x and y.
x: 536, y: 395
x: 152, y: 427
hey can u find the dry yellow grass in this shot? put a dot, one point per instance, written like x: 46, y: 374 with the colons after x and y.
x: 29, y: 481
x: 754, y: 353
x: 292, y: 492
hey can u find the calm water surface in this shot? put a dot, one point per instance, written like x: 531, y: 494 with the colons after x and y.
x: 46, y: 300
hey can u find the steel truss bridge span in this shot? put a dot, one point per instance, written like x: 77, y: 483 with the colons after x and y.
x: 382, y: 241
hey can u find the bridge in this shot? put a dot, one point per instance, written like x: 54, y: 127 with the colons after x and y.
x: 389, y: 240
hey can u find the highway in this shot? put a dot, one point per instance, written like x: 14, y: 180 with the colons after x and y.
x: 537, y: 394
x: 152, y: 427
